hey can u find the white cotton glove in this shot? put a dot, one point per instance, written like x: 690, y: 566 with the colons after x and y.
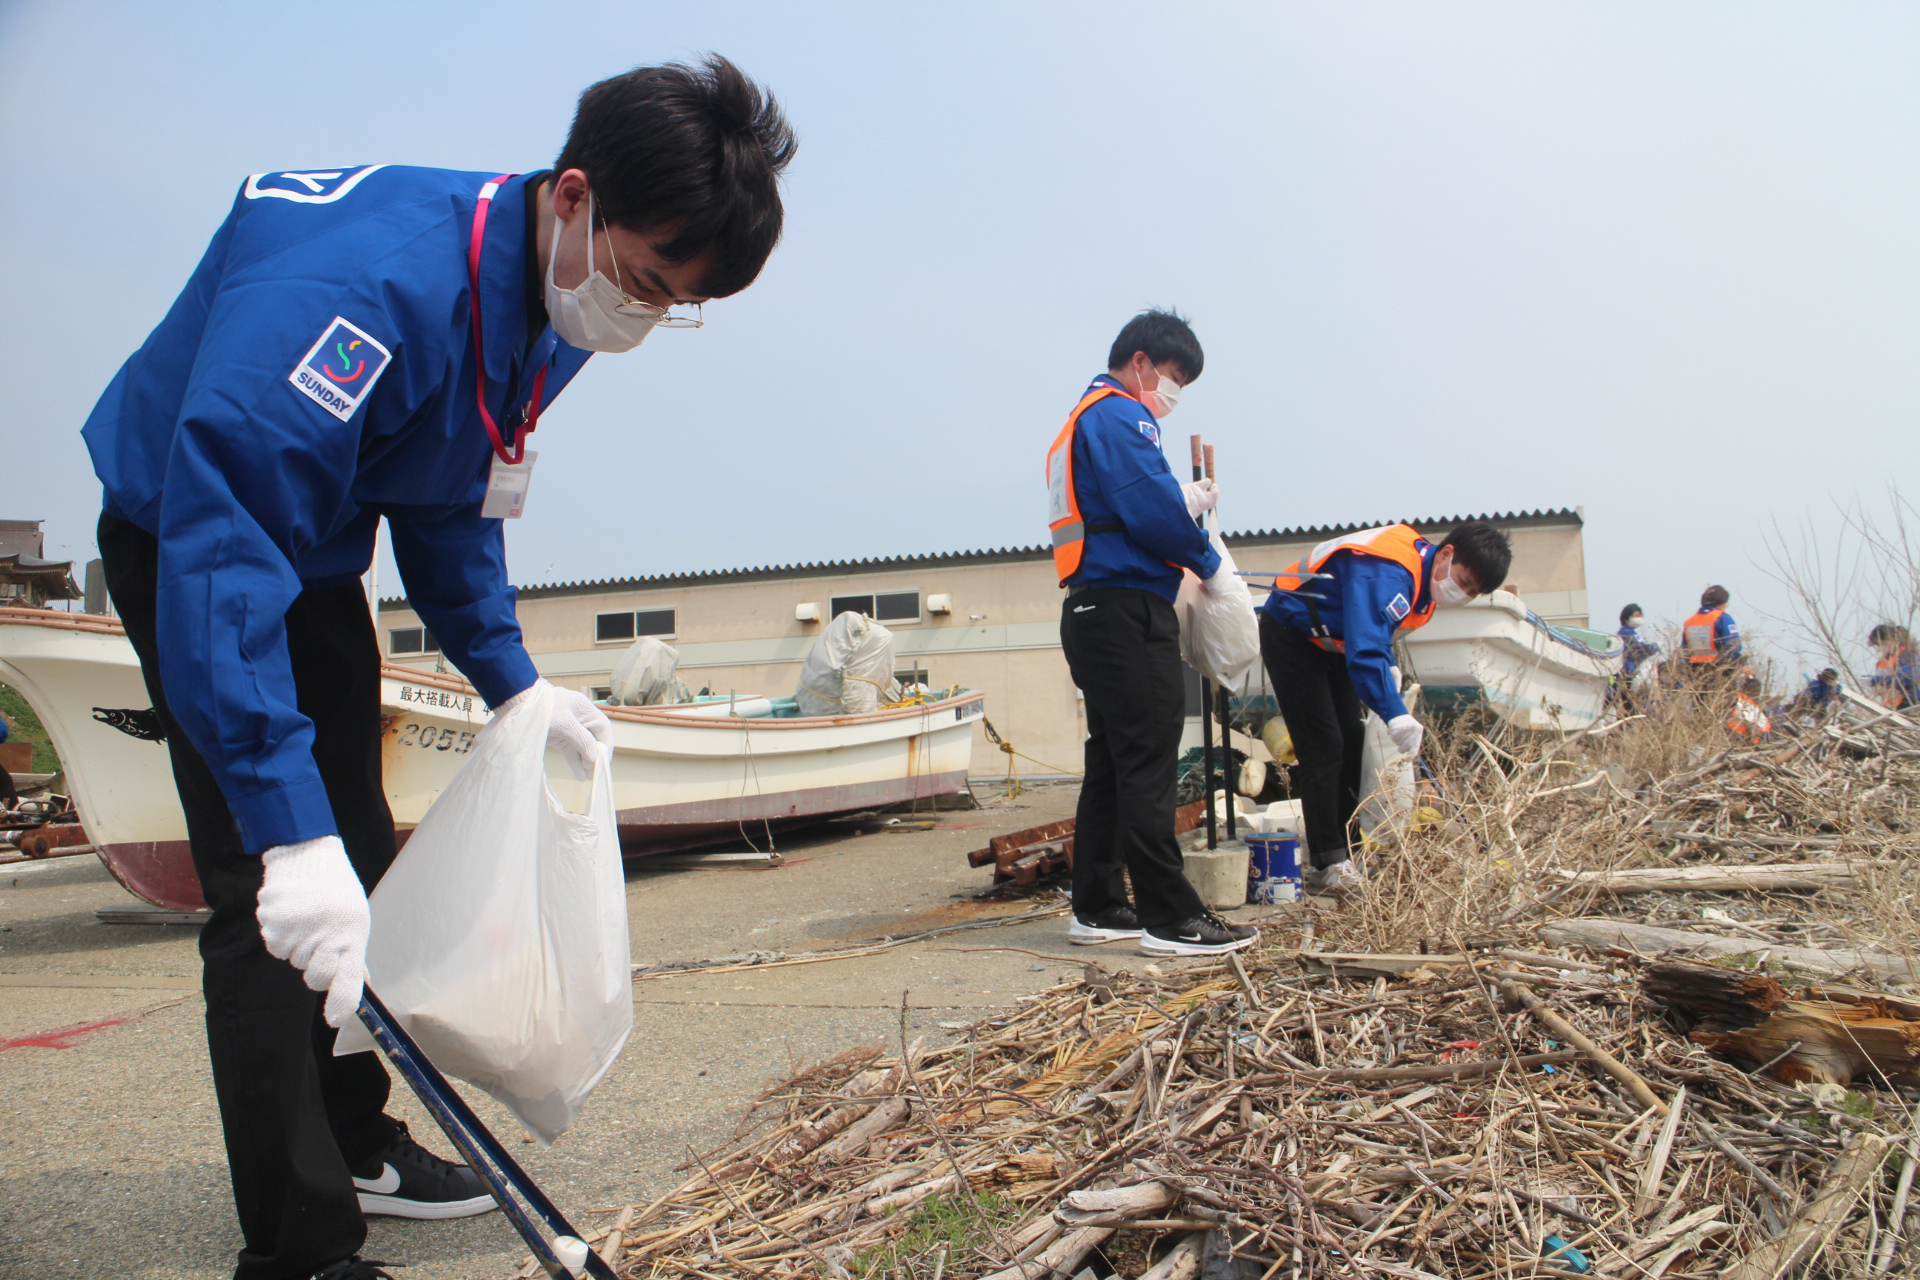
x: 1202, y: 496
x: 1407, y: 734
x: 313, y: 914
x: 577, y: 729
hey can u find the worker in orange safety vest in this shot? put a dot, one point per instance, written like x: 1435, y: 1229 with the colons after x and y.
x: 1711, y: 638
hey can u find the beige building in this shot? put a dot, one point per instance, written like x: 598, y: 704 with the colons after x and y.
x: 984, y: 619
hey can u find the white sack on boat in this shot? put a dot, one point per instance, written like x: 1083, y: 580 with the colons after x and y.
x: 500, y: 932
x: 1219, y: 635
x: 849, y: 670
x: 644, y: 676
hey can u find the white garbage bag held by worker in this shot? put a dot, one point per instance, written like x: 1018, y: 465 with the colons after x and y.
x: 1328, y: 647
x: 363, y: 342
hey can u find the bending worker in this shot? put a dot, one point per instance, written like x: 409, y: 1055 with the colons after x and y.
x: 362, y: 343
x: 1328, y: 648
x: 1711, y: 638
x: 1123, y: 528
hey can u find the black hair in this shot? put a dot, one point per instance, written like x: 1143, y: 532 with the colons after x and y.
x: 1887, y: 631
x: 1484, y: 550
x: 1714, y: 597
x: 1164, y: 336
x: 695, y: 151
x: 1625, y: 613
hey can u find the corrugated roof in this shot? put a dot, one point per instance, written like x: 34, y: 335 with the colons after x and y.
x: 963, y: 559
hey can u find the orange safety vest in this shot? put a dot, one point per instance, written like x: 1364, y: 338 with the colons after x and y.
x: 1696, y: 636
x: 1889, y: 665
x: 1063, y: 504
x: 1396, y: 542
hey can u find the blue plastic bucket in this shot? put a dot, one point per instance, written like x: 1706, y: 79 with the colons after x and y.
x: 1273, y: 867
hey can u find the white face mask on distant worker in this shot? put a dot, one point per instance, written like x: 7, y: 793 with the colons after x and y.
x: 1448, y: 593
x: 1164, y: 398
x: 596, y: 315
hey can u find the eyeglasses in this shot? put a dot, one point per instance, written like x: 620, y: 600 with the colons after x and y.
x: 661, y: 316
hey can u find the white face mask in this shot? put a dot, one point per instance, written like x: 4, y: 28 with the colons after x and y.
x: 1162, y: 400
x: 1447, y: 593
x: 596, y: 314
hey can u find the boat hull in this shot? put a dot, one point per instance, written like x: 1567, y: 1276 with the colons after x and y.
x: 679, y: 781
x: 1489, y: 655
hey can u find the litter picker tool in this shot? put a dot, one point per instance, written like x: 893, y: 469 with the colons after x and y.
x: 1201, y: 454
x: 563, y: 1255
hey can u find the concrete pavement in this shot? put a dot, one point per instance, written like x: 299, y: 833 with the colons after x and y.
x: 111, y: 1148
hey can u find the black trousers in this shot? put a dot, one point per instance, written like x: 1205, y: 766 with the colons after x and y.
x: 1322, y: 711
x: 295, y: 1116
x: 1123, y: 648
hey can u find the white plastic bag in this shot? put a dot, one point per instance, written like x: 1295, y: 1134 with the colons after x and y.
x: 849, y: 670
x: 1387, y: 789
x: 1219, y: 636
x: 500, y: 932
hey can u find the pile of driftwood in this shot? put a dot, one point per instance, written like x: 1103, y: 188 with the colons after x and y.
x: 1306, y: 1113
x: 1643, y: 1005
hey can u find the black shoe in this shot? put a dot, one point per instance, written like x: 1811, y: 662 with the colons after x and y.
x: 1203, y: 935
x: 1106, y: 926
x: 405, y: 1180
x: 354, y: 1268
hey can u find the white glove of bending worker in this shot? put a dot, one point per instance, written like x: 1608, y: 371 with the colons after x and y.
x: 1406, y: 733
x: 1201, y: 495
x: 577, y: 729
x: 313, y: 914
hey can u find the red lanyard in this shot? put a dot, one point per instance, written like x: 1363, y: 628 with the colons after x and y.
x: 510, y: 456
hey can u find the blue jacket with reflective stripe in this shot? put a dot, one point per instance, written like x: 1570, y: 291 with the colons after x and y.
x: 1363, y: 606
x: 1121, y: 476
x: 242, y: 436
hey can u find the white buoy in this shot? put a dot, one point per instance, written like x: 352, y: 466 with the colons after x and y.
x: 572, y: 1252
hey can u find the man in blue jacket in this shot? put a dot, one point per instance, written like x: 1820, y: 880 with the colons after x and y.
x: 1123, y: 529
x: 1327, y: 643
x: 362, y: 343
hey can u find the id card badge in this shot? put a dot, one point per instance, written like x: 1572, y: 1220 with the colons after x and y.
x: 507, y: 489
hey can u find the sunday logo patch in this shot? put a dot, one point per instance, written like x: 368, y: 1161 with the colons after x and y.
x: 1150, y: 431
x: 341, y: 368
x: 1398, y: 609
x: 307, y: 186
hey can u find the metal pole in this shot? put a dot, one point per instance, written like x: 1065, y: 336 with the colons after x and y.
x: 1198, y: 453
x: 1226, y: 761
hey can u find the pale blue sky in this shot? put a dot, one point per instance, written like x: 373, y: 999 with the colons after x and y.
x: 1661, y: 261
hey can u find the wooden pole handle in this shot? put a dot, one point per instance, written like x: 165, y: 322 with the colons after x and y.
x: 1209, y: 454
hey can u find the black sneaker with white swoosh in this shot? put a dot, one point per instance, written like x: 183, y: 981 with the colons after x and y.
x: 405, y: 1180
x: 1203, y: 935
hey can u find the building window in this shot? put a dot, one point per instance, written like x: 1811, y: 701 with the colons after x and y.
x: 411, y: 640
x: 600, y: 692
x: 632, y: 624
x: 888, y: 606
x: 912, y: 676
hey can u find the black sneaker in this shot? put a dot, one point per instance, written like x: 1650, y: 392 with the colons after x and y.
x: 354, y: 1268
x: 1106, y: 926
x: 405, y: 1180
x: 1203, y: 935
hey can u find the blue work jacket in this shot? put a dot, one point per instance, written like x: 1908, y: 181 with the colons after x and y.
x: 1362, y: 604
x: 1121, y: 476
x: 316, y: 374
x: 1636, y: 650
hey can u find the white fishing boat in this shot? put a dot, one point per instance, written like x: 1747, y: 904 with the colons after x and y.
x: 682, y: 777
x: 1494, y: 653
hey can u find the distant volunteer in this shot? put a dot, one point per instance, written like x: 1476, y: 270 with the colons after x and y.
x: 1123, y: 529
x: 1710, y: 638
x: 363, y: 342
x: 1895, y: 682
x: 1328, y: 648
